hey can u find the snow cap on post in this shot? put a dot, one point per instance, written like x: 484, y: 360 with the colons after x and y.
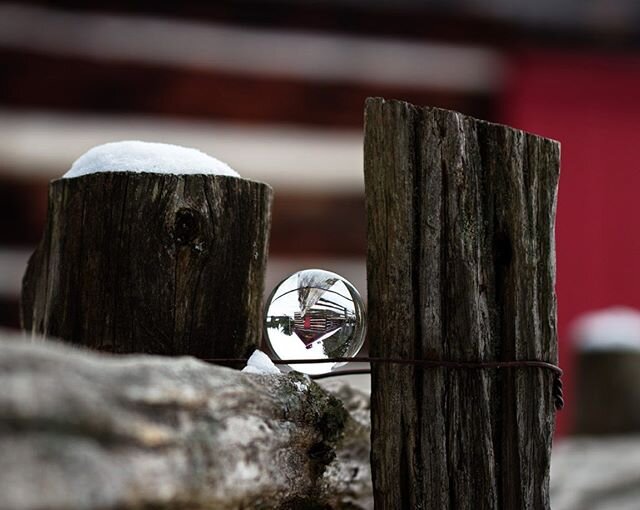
x: 612, y: 329
x: 151, y: 248
x: 147, y: 157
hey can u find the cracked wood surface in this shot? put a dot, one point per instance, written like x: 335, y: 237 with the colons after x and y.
x: 460, y: 266
x: 153, y: 263
x: 86, y: 431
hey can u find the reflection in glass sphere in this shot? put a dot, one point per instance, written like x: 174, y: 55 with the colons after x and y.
x: 315, y: 314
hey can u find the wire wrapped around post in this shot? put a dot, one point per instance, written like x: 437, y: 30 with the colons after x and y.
x: 455, y: 365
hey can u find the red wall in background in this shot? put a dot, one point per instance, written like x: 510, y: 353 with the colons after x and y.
x: 591, y: 104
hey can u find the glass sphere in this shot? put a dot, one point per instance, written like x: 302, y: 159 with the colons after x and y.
x: 315, y: 314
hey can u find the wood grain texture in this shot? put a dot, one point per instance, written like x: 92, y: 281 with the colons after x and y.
x: 162, y: 264
x: 461, y: 266
x: 85, y: 431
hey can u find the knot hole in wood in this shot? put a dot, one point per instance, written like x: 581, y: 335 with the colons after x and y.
x: 186, y: 226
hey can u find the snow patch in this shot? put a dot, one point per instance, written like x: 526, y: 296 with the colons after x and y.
x: 300, y: 386
x: 260, y: 363
x: 147, y: 157
x: 612, y: 329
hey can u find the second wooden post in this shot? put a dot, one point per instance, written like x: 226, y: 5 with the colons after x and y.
x: 461, y: 267
x: 153, y: 263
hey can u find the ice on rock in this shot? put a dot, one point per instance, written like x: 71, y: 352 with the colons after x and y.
x: 134, y: 156
x: 612, y: 329
x: 260, y: 363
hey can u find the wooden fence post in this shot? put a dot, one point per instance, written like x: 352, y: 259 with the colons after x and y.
x: 607, y: 372
x: 154, y: 263
x: 461, y: 266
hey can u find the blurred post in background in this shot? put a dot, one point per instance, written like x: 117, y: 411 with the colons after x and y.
x: 607, y: 374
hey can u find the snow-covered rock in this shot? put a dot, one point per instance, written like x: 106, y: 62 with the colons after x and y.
x: 135, y: 156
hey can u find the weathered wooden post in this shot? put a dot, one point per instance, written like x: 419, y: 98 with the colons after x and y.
x: 461, y: 267
x: 151, y: 262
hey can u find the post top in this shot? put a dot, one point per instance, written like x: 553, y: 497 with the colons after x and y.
x: 373, y: 102
x: 147, y: 157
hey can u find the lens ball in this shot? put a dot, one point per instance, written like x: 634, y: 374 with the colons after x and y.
x: 315, y: 314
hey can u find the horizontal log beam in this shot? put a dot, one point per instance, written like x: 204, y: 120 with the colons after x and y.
x: 80, y: 430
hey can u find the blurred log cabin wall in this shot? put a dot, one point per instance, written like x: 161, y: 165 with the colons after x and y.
x: 277, y: 89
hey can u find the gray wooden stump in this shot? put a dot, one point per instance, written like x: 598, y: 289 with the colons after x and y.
x: 461, y: 266
x: 155, y: 263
